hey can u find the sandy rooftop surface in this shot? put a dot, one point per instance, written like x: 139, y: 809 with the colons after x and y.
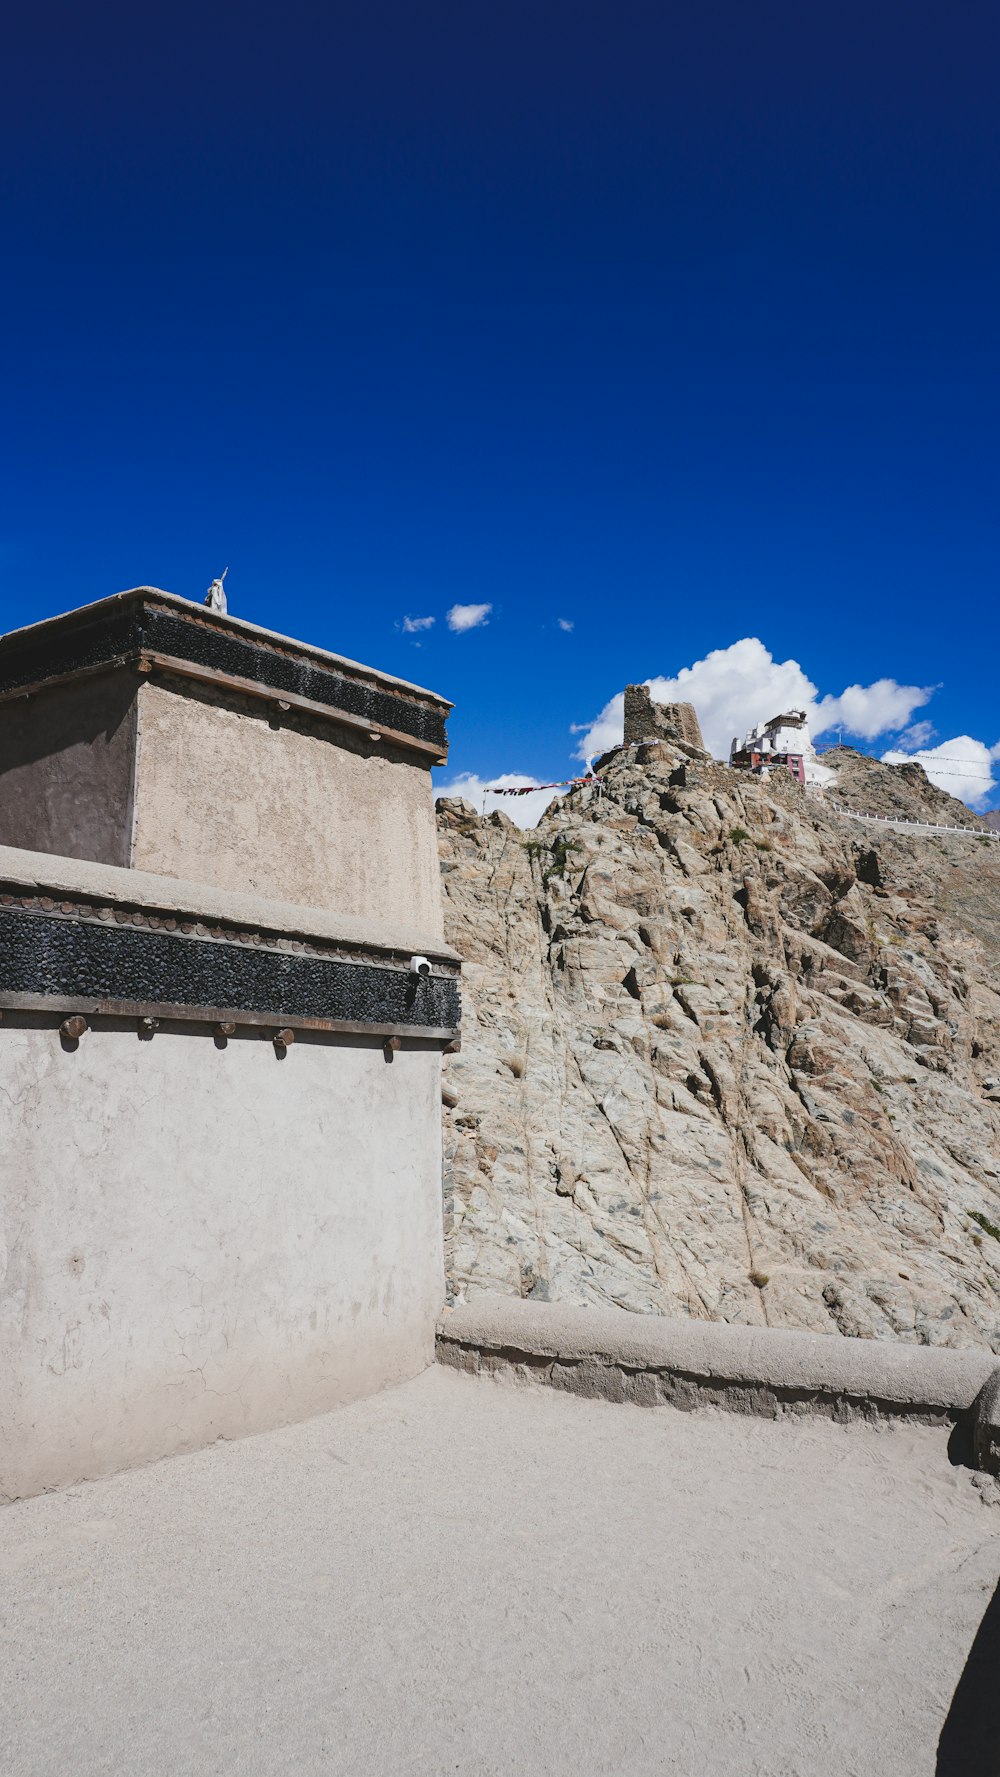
x: 465, y: 1576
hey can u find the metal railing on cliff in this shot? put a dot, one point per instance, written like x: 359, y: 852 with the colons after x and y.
x: 900, y: 822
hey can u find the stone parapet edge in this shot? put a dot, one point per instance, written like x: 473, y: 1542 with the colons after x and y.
x: 30, y: 874
x: 610, y: 1354
x: 140, y: 629
x: 194, y: 609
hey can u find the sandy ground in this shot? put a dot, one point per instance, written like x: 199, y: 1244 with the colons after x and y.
x: 464, y: 1576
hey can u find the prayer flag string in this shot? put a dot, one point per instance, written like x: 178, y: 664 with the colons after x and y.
x: 527, y: 789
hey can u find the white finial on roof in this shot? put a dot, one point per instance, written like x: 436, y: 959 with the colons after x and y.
x: 215, y: 597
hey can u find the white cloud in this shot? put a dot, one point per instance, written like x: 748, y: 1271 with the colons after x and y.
x: 463, y: 617
x: 412, y: 625
x: 565, y: 623
x: 963, y: 767
x: 524, y: 811
x: 919, y: 734
x: 735, y: 687
x: 869, y: 710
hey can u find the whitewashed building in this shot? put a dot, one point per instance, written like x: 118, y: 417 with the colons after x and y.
x: 783, y: 743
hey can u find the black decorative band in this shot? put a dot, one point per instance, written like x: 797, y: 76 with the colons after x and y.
x: 99, y: 965
x: 126, y: 631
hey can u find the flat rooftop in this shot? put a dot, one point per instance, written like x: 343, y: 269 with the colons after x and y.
x: 16, y: 639
x: 461, y: 1575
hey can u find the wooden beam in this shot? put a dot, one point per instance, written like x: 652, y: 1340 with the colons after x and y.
x: 87, y: 1007
x: 284, y: 700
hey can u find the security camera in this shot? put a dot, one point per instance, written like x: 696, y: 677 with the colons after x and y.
x: 419, y: 965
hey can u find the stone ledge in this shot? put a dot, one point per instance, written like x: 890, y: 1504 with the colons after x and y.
x: 44, y: 873
x: 610, y: 1354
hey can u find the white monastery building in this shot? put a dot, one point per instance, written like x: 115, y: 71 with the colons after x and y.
x: 781, y: 744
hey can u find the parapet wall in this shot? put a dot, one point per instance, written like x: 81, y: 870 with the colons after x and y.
x: 610, y: 1354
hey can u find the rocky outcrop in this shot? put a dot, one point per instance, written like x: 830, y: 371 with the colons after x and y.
x: 727, y: 1054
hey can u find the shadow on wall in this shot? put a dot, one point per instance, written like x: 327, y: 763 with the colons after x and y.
x: 970, y: 1739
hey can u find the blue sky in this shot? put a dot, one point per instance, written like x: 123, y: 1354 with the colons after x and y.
x: 677, y: 322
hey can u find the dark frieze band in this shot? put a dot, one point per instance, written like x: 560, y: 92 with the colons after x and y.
x: 179, y: 919
x: 74, y: 960
x: 123, y: 632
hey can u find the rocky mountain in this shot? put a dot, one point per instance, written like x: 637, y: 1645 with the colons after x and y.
x: 729, y: 1054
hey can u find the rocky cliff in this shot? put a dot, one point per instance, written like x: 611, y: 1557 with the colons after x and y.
x: 728, y: 1054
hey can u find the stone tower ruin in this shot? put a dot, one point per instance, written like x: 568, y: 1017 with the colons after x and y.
x: 646, y: 720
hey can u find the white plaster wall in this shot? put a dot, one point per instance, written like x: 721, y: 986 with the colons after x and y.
x: 223, y: 797
x: 199, y: 1242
